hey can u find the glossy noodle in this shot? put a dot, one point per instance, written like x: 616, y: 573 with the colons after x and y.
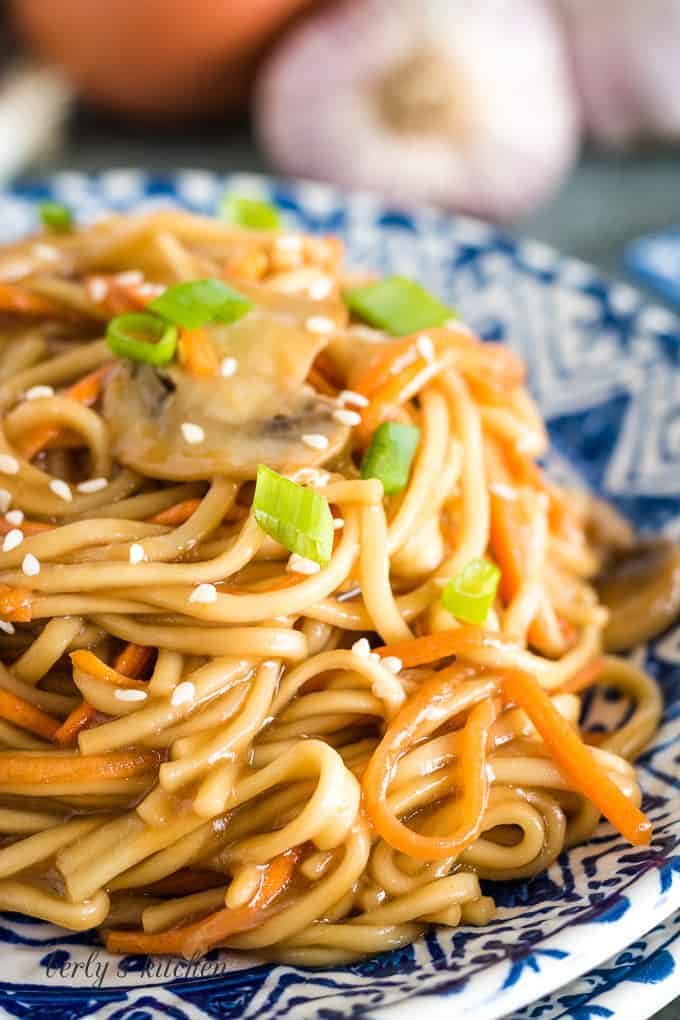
x: 211, y: 739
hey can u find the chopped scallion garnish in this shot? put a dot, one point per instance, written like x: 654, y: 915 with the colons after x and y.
x: 198, y: 302
x: 397, y: 305
x: 251, y: 213
x: 469, y: 595
x: 297, y: 517
x: 390, y: 454
x: 126, y: 336
x: 56, y: 216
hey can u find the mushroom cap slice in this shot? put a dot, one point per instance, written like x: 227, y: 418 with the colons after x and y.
x: 641, y: 589
x: 258, y: 415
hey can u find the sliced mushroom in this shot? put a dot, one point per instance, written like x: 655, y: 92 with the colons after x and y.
x: 641, y: 588
x: 263, y: 413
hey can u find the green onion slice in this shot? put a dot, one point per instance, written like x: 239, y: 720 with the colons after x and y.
x: 55, y: 216
x: 297, y: 517
x: 122, y: 335
x: 470, y: 594
x: 251, y: 213
x: 397, y: 305
x: 390, y: 454
x: 198, y: 302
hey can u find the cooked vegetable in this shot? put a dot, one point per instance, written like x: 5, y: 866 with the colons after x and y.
x: 397, y: 305
x: 390, y: 455
x: 297, y: 517
x: 469, y: 595
x: 55, y: 216
x: 249, y: 212
x: 198, y: 302
x: 123, y: 337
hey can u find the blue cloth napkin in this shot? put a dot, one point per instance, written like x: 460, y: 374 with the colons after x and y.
x: 655, y: 261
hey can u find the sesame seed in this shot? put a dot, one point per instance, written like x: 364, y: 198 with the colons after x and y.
x: 30, y: 565
x: 425, y: 347
x: 312, y: 476
x: 45, y: 251
x: 350, y: 397
x: 36, y: 392
x: 130, y: 278
x: 347, y: 417
x: 6, y: 627
x: 5, y: 500
x: 204, y: 593
x: 183, y: 694
x: 97, y: 289
x: 61, y: 489
x: 392, y: 663
x: 130, y: 694
x: 9, y: 465
x: 321, y: 288
x: 228, y: 367
x: 15, y: 517
x: 301, y: 565
x: 503, y: 490
x: 315, y: 440
x: 320, y: 324
x: 12, y: 539
x: 338, y: 523
x: 362, y: 648
x: 374, y: 657
x: 92, y: 485
x: 150, y: 290
x: 136, y: 554
x: 192, y: 433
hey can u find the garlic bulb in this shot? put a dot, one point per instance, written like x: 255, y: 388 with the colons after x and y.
x: 626, y: 55
x: 466, y: 103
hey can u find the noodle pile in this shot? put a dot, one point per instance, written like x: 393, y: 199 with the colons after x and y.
x: 209, y: 742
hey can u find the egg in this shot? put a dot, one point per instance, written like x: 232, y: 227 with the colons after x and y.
x: 155, y: 58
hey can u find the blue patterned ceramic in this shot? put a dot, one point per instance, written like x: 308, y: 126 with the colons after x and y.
x: 604, y: 366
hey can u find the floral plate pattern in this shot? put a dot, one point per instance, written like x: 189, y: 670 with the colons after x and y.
x: 604, y: 366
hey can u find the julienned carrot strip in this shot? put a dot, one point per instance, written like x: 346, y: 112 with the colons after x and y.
x: 193, y: 940
x: 73, y: 724
x: 94, y: 667
x: 18, y: 300
x: 27, y: 716
x: 432, y: 702
x: 385, y: 401
x: 176, y: 514
x: 197, y: 353
x: 116, y: 297
x: 458, y: 641
x: 584, y: 677
x: 320, y: 383
x: 133, y: 660
x: 56, y: 768
x: 388, y: 361
x: 575, y: 760
x: 28, y: 527
x: 85, y: 391
x: 16, y: 604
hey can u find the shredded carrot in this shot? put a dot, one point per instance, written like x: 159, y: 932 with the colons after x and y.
x: 27, y: 716
x: 575, y: 760
x: 320, y: 383
x: 429, y: 703
x: 21, y: 301
x: 28, y: 527
x: 459, y: 641
x: 94, y: 667
x: 389, y: 360
x: 251, y: 264
x: 117, y: 297
x: 85, y: 391
x: 195, y: 939
x: 386, y: 400
x: 197, y: 353
x: 16, y: 604
x: 59, y: 768
x: 176, y: 514
x: 583, y: 677
x: 74, y: 723
x: 134, y: 660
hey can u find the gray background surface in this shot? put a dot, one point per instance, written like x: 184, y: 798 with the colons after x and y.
x: 608, y: 201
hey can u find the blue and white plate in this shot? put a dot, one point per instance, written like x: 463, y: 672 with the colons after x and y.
x: 604, y: 366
